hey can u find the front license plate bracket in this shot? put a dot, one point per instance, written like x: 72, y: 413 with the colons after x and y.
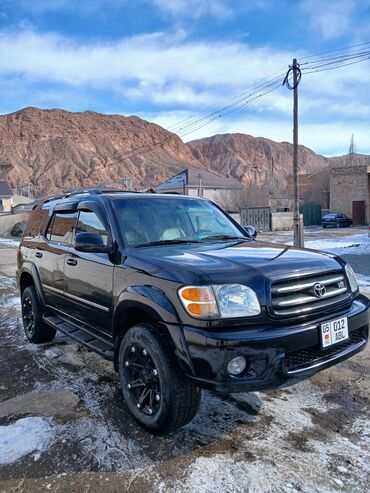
x: 334, y: 332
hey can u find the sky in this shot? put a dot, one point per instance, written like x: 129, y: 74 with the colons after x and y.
x: 171, y: 61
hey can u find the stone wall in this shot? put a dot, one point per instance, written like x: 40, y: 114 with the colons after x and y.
x: 282, y: 221
x: 6, y: 204
x: 8, y: 221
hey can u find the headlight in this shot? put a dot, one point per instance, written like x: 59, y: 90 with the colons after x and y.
x: 351, y: 276
x: 236, y: 300
x: 225, y: 300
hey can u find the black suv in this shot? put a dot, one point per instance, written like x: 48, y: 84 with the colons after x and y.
x: 179, y: 296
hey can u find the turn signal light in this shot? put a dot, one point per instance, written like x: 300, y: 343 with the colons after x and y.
x: 198, y: 301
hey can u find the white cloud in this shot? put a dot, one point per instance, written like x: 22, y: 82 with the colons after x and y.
x: 156, y: 58
x: 331, y: 138
x: 169, y: 70
x: 332, y: 19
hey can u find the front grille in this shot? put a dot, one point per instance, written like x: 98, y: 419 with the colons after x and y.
x: 307, y: 356
x: 309, y: 294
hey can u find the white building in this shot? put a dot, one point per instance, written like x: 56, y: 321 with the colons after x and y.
x: 198, y: 183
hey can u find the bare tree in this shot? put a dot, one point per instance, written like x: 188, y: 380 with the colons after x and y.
x: 233, y: 200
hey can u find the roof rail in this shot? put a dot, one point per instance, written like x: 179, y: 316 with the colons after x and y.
x: 87, y: 191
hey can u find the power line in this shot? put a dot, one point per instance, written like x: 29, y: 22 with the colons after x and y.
x: 336, y: 64
x: 200, y: 122
x: 336, y: 50
x: 238, y: 98
x: 242, y: 98
x: 338, y: 57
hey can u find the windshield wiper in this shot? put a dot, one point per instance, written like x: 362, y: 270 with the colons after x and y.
x: 166, y: 242
x: 225, y: 237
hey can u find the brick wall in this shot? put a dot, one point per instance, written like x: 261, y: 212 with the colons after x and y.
x: 348, y: 184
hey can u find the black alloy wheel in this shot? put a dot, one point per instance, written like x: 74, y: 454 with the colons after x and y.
x: 142, y: 379
x: 27, y: 315
x: 156, y: 391
x: 36, y: 330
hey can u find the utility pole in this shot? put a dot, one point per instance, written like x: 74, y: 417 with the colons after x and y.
x: 200, y: 194
x: 297, y: 223
x: 297, y: 229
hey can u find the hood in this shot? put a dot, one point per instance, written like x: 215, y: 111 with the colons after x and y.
x: 230, y: 263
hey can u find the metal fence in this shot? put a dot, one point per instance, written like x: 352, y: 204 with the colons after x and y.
x: 259, y: 217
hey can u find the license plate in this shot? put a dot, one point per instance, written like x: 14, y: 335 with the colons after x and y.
x: 334, y: 332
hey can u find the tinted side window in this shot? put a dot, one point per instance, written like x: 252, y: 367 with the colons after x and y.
x: 61, y: 227
x: 88, y: 222
x: 36, y: 223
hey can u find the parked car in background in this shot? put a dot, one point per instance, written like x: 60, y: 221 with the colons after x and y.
x: 335, y: 220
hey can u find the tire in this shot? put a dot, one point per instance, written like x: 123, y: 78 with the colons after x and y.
x: 157, y: 393
x: 36, y: 330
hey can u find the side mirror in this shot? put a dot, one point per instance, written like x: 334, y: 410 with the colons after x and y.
x: 251, y: 231
x: 91, y: 242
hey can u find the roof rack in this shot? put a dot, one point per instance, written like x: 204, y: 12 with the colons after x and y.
x: 87, y: 191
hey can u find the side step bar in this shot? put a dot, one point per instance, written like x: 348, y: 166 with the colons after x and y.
x: 105, y: 349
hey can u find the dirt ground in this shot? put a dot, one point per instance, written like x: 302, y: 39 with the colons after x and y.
x: 64, y: 403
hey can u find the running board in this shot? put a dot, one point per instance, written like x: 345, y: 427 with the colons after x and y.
x: 82, y: 336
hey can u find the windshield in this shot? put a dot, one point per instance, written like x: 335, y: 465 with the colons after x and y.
x: 155, y: 220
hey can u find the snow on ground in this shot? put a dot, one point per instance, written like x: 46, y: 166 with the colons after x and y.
x: 259, y: 455
x: 354, y: 245
x: 9, y: 242
x: 363, y: 280
x: 364, y: 283
x: 33, y: 434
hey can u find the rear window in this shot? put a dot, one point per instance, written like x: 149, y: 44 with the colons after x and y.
x: 36, y: 224
x: 60, y: 228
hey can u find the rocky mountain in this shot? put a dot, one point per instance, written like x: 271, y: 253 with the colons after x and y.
x: 56, y: 150
x: 253, y: 159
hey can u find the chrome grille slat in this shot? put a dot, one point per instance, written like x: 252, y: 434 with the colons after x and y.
x: 294, y: 297
x: 290, y: 289
x: 310, y: 299
x: 311, y: 308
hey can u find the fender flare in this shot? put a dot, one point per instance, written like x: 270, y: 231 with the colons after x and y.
x: 31, y: 269
x: 153, y: 301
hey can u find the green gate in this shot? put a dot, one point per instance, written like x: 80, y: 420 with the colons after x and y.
x: 311, y: 214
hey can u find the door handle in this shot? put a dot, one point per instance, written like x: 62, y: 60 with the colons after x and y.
x: 38, y: 254
x: 72, y: 261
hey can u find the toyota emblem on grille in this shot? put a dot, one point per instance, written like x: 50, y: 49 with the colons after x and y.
x: 319, y: 290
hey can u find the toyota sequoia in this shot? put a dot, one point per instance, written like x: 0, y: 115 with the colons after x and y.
x: 180, y: 297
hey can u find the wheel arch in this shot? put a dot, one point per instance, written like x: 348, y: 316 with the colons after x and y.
x: 133, y: 312
x: 30, y: 277
x: 25, y: 281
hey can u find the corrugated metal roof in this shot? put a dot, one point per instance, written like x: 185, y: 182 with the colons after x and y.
x: 5, y: 190
x: 190, y: 177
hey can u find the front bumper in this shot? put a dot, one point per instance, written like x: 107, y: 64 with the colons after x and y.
x: 275, y: 356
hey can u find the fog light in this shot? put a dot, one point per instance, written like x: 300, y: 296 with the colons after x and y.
x: 236, y: 365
